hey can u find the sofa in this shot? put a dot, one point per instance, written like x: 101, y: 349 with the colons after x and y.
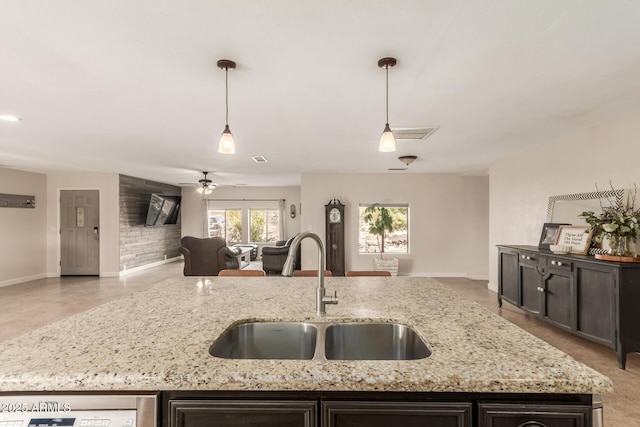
x: 206, y: 257
x: 273, y: 257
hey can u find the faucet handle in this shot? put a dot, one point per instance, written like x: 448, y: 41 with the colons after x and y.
x: 331, y: 299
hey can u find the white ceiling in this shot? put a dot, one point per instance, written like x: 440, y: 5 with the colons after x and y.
x: 132, y: 87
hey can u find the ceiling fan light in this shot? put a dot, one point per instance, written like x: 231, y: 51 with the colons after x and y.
x: 227, y: 145
x: 387, y: 140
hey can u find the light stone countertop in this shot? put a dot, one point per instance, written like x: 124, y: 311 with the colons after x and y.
x: 158, y: 339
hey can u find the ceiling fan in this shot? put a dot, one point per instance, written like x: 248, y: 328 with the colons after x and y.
x: 204, y: 185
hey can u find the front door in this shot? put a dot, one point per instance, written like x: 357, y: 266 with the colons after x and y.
x: 79, y: 233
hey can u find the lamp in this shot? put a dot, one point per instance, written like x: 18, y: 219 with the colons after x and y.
x: 387, y: 140
x: 226, y: 146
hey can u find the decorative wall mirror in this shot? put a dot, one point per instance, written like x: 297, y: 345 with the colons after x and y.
x: 567, y: 207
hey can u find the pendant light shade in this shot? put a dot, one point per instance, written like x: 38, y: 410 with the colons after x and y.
x: 387, y: 140
x: 227, y: 145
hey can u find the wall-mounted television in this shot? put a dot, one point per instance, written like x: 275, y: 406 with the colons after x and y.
x: 163, y: 210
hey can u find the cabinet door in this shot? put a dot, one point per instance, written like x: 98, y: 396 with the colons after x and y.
x: 558, y: 298
x: 389, y: 414
x: 508, y: 276
x: 530, y: 287
x: 595, y: 303
x: 514, y: 415
x: 246, y: 413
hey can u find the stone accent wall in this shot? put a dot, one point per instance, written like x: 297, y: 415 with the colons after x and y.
x: 140, y: 245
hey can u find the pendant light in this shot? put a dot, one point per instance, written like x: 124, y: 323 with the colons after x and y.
x: 387, y: 140
x: 226, y: 146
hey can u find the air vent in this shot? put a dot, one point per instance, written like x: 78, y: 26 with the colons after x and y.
x: 413, y: 134
x: 260, y: 159
x: 397, y: 169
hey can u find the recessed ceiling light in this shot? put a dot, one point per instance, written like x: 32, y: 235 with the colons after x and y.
x: 9, y: 118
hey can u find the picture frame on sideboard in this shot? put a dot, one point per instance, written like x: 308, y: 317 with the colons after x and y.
x: 549, y: 234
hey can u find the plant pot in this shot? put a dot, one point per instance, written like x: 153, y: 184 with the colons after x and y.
x: 388, y: 264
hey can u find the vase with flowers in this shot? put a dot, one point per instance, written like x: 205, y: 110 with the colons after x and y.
x: 619, y: 223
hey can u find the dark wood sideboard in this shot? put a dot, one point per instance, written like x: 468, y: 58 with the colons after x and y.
x: 597, y: 300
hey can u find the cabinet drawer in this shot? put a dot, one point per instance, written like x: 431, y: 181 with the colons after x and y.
x: 559, y: 264
x: 406, y: 414
x: 231, y: 413
x: 527, y: 415
x: 528, y: 258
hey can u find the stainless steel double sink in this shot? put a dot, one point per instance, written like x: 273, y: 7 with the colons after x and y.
x: 320, y: 341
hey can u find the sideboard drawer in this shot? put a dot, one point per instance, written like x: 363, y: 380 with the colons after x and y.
x: 559, y: 264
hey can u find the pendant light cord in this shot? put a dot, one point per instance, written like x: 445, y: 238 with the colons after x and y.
x: 226, y: 91
x: 387, y: 71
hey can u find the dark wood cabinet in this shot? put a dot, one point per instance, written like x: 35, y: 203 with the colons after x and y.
x: 247, y: 413
x: 375, y: 409
x: 512, y: 415
x: 597, y: 300
x: 406, y: 414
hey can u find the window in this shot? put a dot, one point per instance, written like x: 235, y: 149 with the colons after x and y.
x: 396, y: 241
x: 264, y: 225
x: 226, y: 223
x: 248, y: 221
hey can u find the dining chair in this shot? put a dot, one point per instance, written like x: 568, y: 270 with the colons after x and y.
x: 310, y: 273
x: 244, y: 273
x: 380, y: 273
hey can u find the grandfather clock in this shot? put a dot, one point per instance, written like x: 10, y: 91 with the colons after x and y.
x: 334, y: 213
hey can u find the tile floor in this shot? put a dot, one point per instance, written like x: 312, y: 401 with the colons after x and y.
x: 29, y: 305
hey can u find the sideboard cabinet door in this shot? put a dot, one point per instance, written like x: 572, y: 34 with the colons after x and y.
x: 595, y: 295
x: 530, y: 284
x: 405, y: 414
x: 508, y: 276
x: 557, y: 286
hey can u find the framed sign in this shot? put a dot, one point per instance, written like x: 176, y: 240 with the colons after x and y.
x: 576, y: 236
x: 549, y: 234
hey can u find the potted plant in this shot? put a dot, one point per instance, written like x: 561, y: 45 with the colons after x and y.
x: 618, y: 223
x: 380, y: 222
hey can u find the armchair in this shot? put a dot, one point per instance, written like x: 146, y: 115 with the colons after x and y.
x: 273, y: 257
x: 206, y: 257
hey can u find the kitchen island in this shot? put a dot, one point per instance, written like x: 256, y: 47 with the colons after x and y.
x: 159, y: 339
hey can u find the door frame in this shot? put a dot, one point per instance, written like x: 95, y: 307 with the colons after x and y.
x: 59, y: 226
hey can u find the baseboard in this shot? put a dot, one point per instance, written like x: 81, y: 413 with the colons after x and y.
x: 433, y: 274
x: 22, y: 279
x: 150, y: 265
x: 480, y: 277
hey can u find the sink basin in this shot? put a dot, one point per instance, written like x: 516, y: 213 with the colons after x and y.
x: 373, y: 341
x: 335, y: 341
x: 267, y: 340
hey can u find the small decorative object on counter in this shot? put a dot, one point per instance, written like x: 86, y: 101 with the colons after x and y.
x: 619, y: 223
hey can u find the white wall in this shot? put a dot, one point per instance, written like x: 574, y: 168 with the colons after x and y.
x: 108, y: 185
x: 23, y: 254
x: 193, y: 205
x: 521, y: 184
x: 449, y: 216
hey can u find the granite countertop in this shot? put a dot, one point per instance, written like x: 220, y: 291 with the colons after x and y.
x: 158, y: 339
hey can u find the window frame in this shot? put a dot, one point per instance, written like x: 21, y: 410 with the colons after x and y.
x: 362, y: 206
